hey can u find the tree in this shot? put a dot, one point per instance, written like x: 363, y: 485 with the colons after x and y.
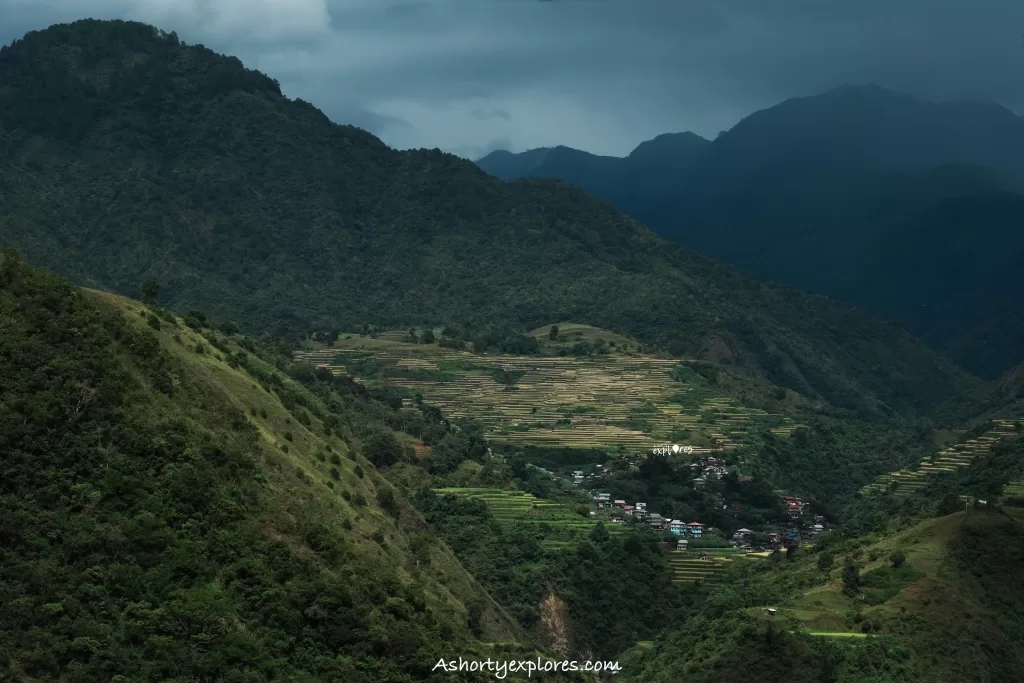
x: 851, y: 579
x: 791, y: 552
x: 897, y: 559
x: 150, y: 291
x: 553, y: 332
x: 428, y: 336
x: 826, y: 562
x: 382, y: 448
x: 412, y: 335
x: 509, y: 378
x: 949, y: 504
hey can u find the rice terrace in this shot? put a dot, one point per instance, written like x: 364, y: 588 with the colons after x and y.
x: 624, y: 400
x: 561, y: 524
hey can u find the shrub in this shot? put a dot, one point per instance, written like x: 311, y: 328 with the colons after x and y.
x: 826, y: 561
x: 897, y: 559
x: 851, y: 579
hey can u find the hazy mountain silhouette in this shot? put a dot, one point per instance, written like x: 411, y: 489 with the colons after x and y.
x: 835, y: 193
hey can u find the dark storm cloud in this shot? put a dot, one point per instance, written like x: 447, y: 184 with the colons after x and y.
x: 598, y: 74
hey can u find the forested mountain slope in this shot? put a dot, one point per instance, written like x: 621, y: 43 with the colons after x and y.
x: 127, y: 155
x: 904, y: 208
x: 174, y: 508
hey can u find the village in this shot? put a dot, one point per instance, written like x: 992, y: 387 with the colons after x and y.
x: 798, y: 524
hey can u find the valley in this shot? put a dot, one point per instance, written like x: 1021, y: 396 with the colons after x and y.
x: 280, y: 402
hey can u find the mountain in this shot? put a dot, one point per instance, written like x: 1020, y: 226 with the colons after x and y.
x: 643, y: 184
x: 859, y: 194
x: 127, y: 155
x: 858, y: 129
x: 173, y: 507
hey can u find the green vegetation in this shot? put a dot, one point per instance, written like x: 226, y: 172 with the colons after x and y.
x: 616, y: 587
x: 557, y: 523
x: 152, y: 529
x: 953, y: 591
x: 244, y: 199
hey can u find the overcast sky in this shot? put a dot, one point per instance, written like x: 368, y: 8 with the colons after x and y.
x: 469, y: 76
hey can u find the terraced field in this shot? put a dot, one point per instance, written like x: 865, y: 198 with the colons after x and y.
x: 629, y: 402
x: 1015, y: 489
x: 947, y: 460
x: 564, y: 525
x: 688, y: 569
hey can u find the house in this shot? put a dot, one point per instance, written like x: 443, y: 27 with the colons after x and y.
x: 742, y: 535
x: 677, y: 526
x: 617, y: 519
x: 769, y: 612
x: 628, y: 510
x: 619, y: 504
x: 794, y: 510
x: 817, y: 529
x: 656, y: 521
x: 695, y: 529
x: 682, y: 544
x: 699, y: 481
x: 641, y: 506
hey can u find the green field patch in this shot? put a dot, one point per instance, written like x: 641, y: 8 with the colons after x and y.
x: 561, y: 525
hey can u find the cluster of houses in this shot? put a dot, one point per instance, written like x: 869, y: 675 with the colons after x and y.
x: 621, y: 510
x: 707, y: 469
x: 792, y: 534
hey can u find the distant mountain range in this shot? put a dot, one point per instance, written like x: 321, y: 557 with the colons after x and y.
x: 907, y: 209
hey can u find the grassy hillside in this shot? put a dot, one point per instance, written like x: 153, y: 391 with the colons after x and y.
x: 128, y: 155
x: 173, y: 508
x: 886, y: 609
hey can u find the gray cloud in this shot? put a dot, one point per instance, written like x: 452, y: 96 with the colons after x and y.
x: 601, y: 75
